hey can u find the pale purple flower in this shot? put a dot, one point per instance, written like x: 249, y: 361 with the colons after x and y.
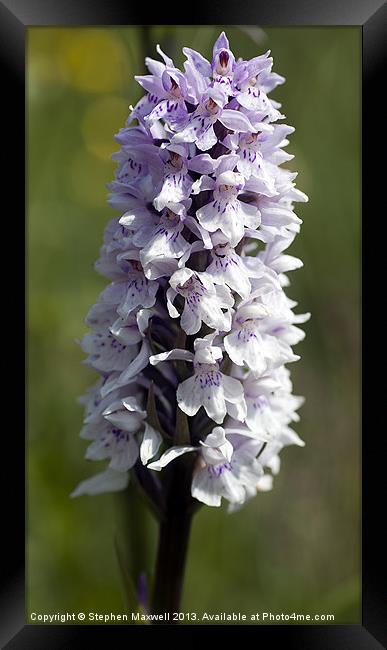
x: 131, y: 291
x: 263, y: 333
x: 211, y: 109
x: 226, y: 211
x: 204, y: 302
x: 209, y: 388
x: 118, y: 433
x: 172, y: 93
x: 161, y: 240
x: 221, y: 470
x: 230, y: 269
x: 271, y: 407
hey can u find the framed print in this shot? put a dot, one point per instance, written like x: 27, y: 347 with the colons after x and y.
x: 201, y: 201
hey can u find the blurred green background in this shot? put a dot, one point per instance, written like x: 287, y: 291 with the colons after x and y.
x: 296, y: 548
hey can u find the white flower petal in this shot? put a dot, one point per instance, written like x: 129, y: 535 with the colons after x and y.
x: 183, y: 355
x: 189, y: 396
x: 107, y: 481
x: 150, y: 443
x: 265, y: 483
x: 204, y: 489
x: 191, y: 321
x: 168, y: 456
x: 125, y: 454
x: 214, y: 403
x: 232, y: 488
x: 171, y: 295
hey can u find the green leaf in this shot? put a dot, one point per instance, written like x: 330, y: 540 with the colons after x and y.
x: 129, y: 586
x: 182, y: 435
x: 152, y: 416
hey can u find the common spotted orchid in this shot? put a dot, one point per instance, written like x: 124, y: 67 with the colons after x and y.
x: 192, y: 335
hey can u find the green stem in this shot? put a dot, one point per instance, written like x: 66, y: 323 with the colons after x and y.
x: 170, y: 564
x: 174, y: 535
x: 137, y: 522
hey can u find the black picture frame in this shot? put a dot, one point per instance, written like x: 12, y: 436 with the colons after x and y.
x: 371, y: 15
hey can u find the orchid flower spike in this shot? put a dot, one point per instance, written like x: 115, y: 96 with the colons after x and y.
x: 193, y: 333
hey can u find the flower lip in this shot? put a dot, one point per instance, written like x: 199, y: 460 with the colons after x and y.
x: 208, y: 373
x: 218, y: 470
